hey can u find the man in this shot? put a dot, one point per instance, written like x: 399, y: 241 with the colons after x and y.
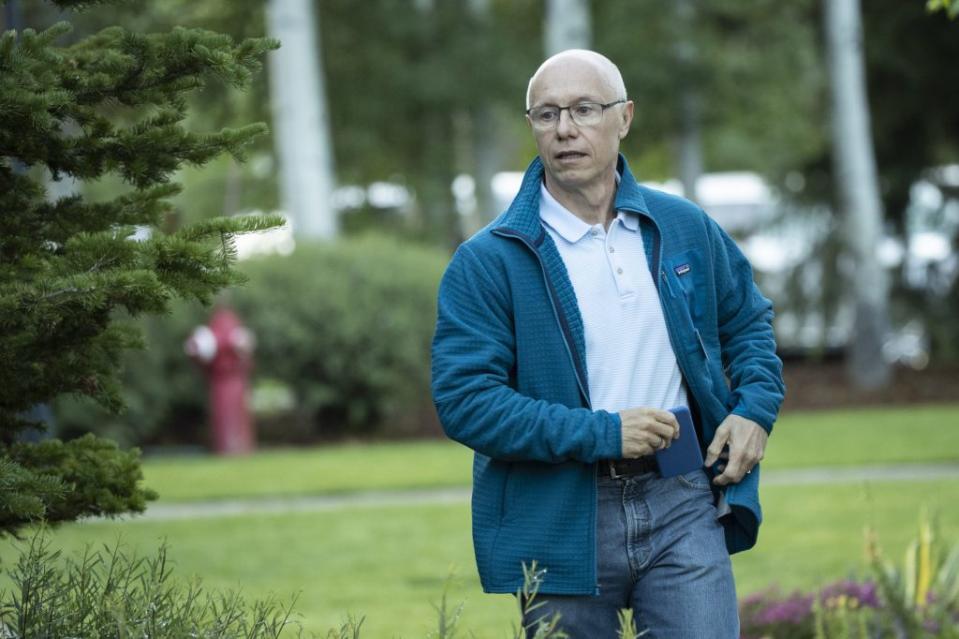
x: 565, y: 331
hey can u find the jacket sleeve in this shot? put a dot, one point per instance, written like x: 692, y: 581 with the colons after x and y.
x: 474, y: 353
x: 746, y: 334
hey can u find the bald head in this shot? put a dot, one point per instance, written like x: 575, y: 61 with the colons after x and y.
x: 605, y: 70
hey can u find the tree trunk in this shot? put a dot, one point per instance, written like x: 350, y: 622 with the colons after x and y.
x: 690, y: 142
x: 568, y: 26
x: 690, y: 132
x: 485, y: 153
x: 858, y: 191
x: 301, y: 125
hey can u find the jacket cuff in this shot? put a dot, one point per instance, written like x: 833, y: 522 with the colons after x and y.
x: 765, y: 421
x: 612, y: 434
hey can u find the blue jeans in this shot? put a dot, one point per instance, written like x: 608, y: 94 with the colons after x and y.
x: 661, y: 552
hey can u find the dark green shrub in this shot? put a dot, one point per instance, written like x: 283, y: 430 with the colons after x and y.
x: 163, y: 390
x: 347, y: 326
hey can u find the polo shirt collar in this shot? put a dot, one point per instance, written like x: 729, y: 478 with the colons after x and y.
x: 570, y: 227
x: 567, y: 224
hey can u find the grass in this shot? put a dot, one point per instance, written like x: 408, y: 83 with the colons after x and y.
x: 856, y: 437
x: 834, y: 438
x: 390, y: 563
x: 303, y: 471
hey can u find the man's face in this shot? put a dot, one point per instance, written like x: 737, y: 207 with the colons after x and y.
x: 576, y: 157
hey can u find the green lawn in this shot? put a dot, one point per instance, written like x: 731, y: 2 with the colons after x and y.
x: 834, y: 438
x: 390, y: 563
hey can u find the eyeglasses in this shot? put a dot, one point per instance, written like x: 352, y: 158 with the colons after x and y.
x: 545, y: 118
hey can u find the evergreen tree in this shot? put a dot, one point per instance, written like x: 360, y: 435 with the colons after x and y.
x: 72, y: 271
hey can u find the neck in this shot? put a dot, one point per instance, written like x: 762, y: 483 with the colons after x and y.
x: 592, y: 203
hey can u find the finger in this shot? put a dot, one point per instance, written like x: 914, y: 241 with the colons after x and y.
x: 730, y: 475
x: 660, y: 442
x: 733, y: 471
x: 659, y: 429
x: 716, y: 446
x: 649, y: 442
x: 663, y: 416
x: 722, y: 479
x: 668, y: 418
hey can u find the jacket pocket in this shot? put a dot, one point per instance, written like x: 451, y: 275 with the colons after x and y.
x: 687, y: 276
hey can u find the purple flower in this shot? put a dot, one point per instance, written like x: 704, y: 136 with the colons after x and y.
x: 769, y: 613
x: 770, y: 607
x: 793, y: 610
x: 865, y: 593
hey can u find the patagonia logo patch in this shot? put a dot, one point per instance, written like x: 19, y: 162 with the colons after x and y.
x: 682, y: 269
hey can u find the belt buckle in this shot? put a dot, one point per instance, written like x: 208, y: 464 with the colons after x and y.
x: 612, y: 469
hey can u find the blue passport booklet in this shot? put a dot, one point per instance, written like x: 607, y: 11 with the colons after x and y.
x: 683, y: 455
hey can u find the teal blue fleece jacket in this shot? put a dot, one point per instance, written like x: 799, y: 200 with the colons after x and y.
x: 509, y: 377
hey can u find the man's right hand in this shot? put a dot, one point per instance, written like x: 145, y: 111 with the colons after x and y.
x: 646, y: 430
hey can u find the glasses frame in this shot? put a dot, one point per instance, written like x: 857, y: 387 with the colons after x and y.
x: 559, y: 112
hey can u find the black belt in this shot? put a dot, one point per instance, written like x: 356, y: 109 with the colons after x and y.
x: 615, y: 468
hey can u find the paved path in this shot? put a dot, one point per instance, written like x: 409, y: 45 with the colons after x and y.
x: 314, y: 503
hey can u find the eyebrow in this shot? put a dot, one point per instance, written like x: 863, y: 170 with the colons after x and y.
x: 577, y: 100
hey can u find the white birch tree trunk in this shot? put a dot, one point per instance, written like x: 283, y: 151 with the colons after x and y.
x: 485, y: 151
x: 858, y: 190
x: 567, y: 26
x: 690, y: 150
x: 301, y: 124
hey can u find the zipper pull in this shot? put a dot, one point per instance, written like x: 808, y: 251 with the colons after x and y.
x: 669, y: 289
x: 702, y: 344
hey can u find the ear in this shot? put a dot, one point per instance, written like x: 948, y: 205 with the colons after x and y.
x: 626, y: 119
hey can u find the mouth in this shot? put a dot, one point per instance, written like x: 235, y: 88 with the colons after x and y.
x: 569, y: 156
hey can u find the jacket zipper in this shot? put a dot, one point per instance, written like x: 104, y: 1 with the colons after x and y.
x: 556, y: 315
x: 702, y: 344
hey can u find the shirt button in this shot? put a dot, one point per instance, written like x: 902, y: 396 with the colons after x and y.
x: 612, y: 250
x: 619, y: 271
x: 593, y: 232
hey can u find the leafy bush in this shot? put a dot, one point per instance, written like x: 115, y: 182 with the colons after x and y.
x: 110, y: 594
x: 347, y: 326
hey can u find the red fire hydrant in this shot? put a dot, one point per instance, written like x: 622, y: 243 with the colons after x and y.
x: 225, y: 350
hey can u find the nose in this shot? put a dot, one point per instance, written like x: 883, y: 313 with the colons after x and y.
x: 566, y: 128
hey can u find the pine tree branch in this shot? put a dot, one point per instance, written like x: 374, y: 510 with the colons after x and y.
x: 114, y: 103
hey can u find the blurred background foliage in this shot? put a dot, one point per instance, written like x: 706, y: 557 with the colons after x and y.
x: 419, y: 90
x: 343, y: 337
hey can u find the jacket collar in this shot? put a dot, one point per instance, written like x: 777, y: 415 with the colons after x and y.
x: 522, y: 216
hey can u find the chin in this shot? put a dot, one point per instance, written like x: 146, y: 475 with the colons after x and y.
x: 574, y: 176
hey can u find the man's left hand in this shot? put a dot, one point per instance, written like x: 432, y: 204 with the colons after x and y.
x: 746, y: 441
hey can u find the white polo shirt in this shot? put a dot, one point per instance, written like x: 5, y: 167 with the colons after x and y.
x: 629, y: 360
